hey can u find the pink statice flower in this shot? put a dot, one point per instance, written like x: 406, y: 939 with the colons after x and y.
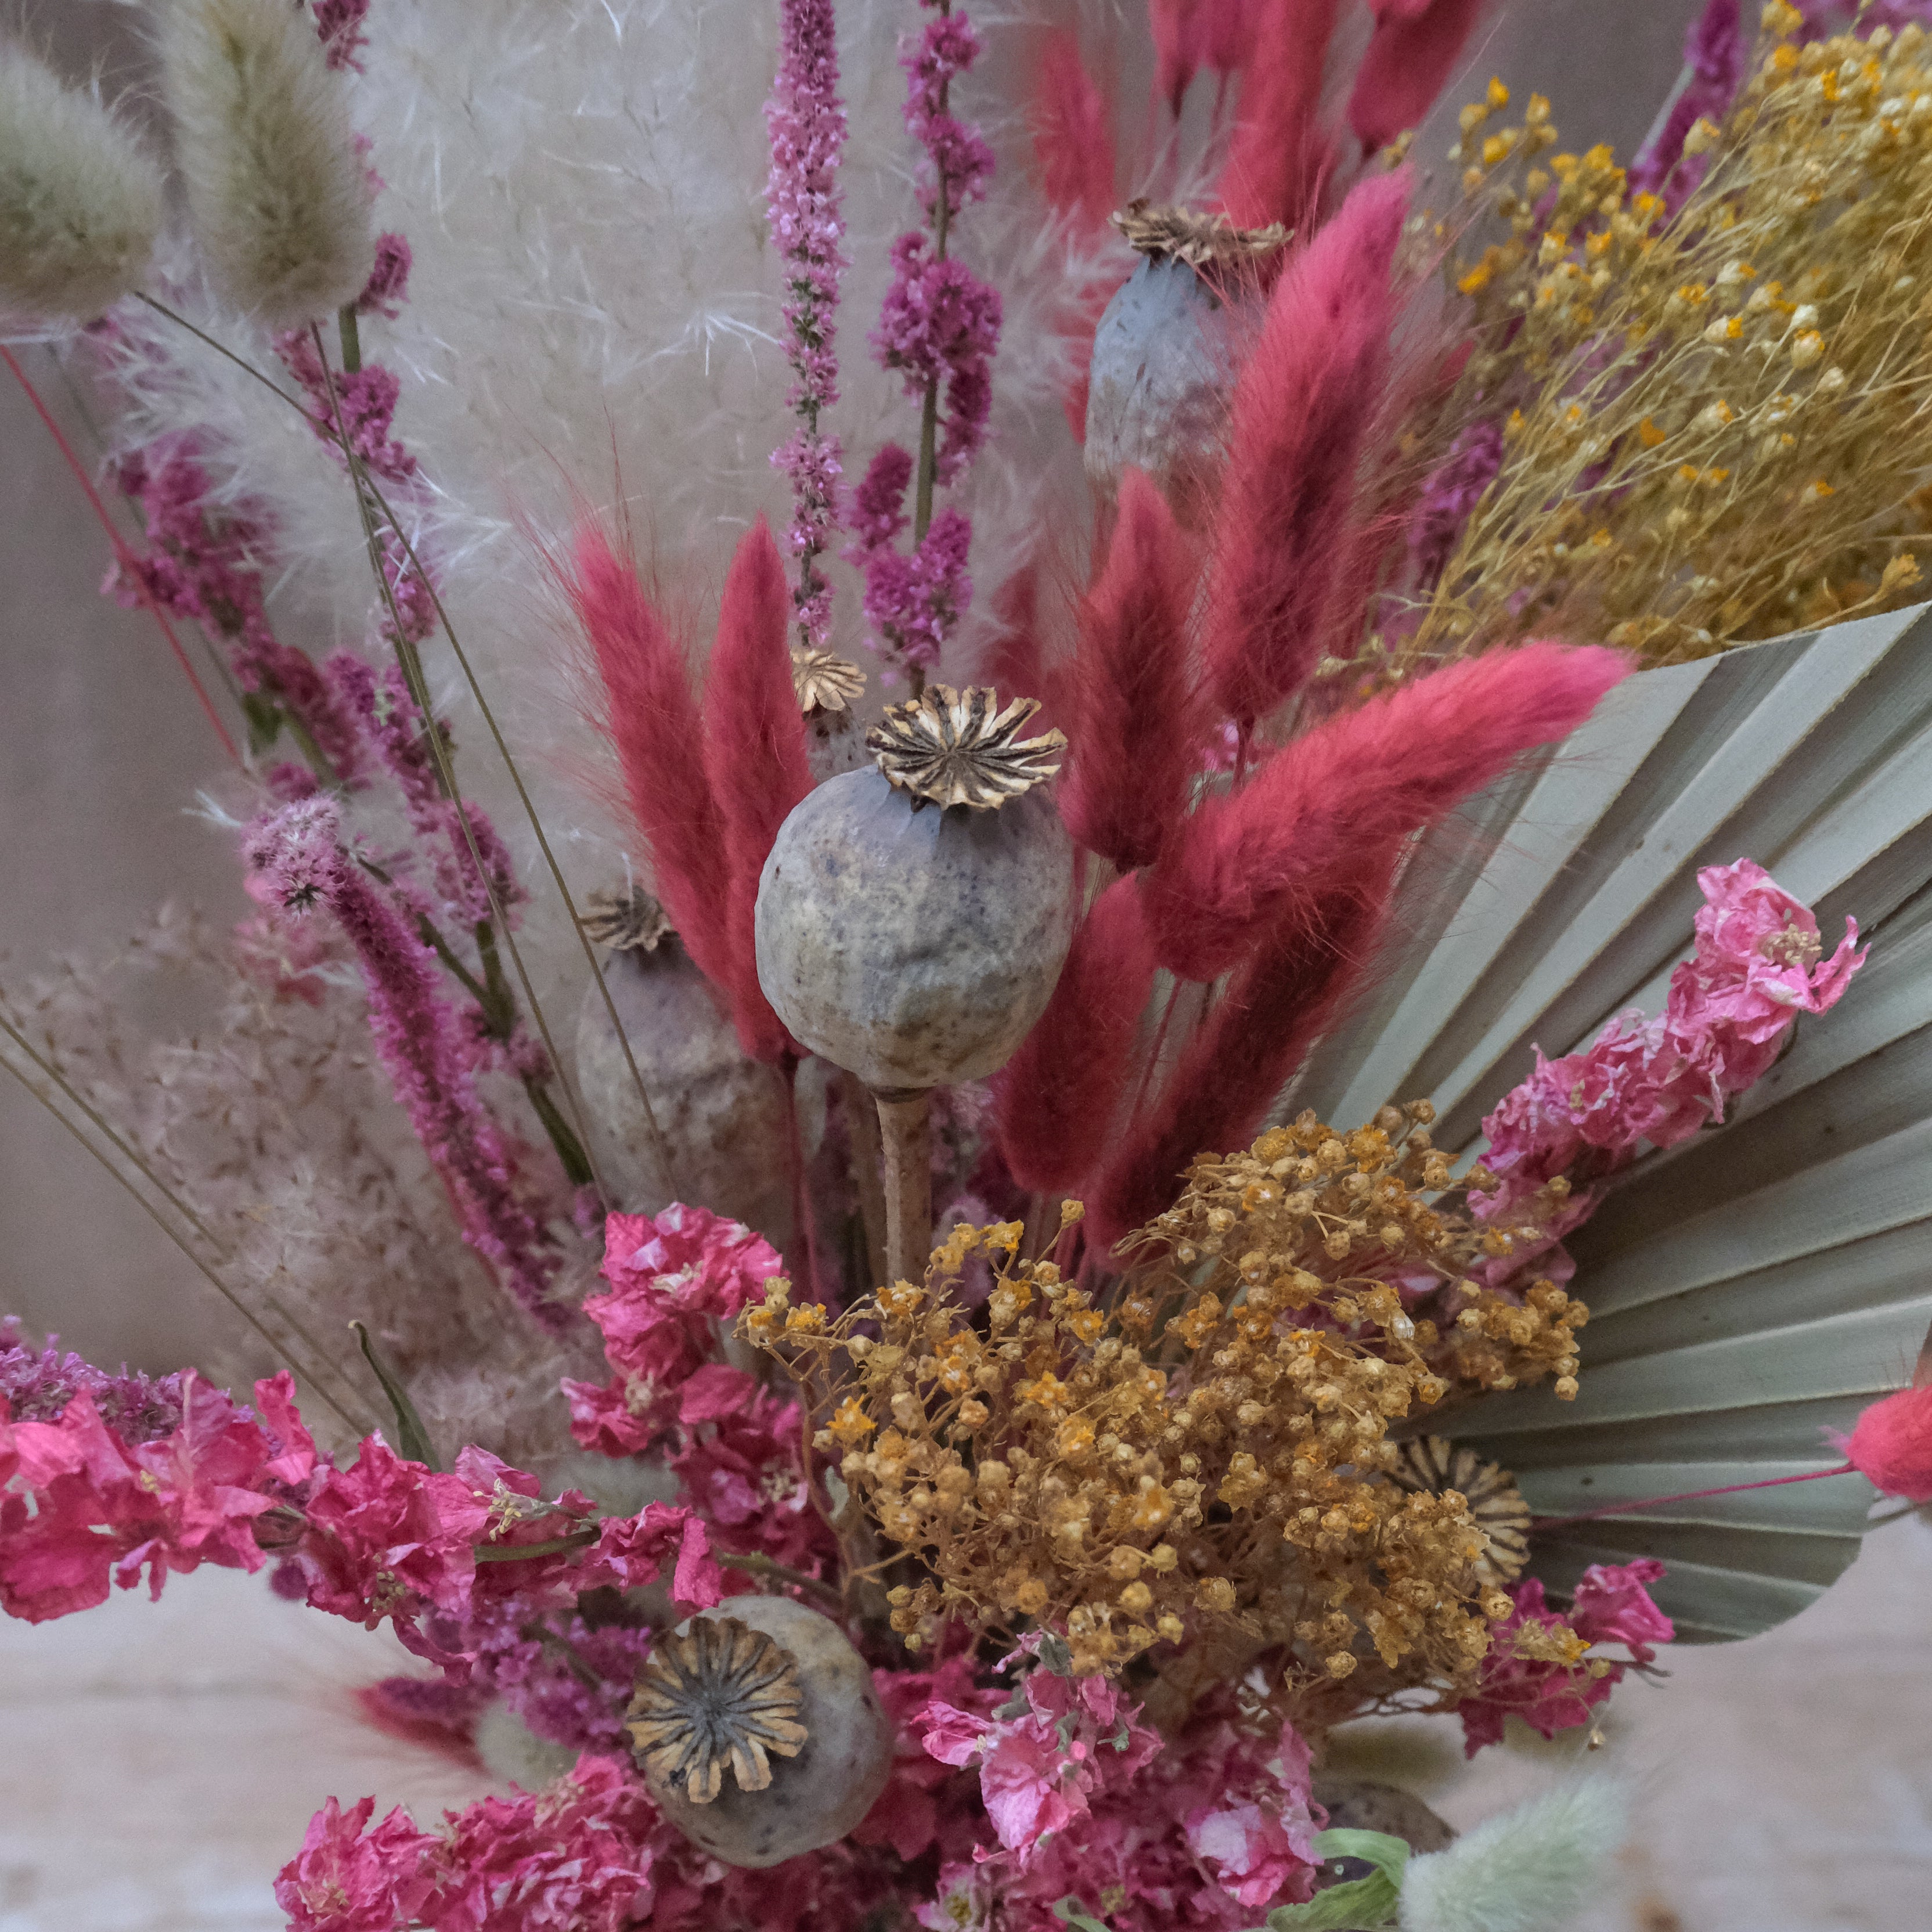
x: 339, y: 24
x: 36, y: 1384
x: 1759, y: 964
x: 674, y: 1278
x: 575, y: 1857
x: 347, y: 1878
x: 104, y: 1508
x: 388, y: 287
x: 1612, y: 1606
x: 1255, y: 1830
x: 741, y: 1467
x: 930, y: 1804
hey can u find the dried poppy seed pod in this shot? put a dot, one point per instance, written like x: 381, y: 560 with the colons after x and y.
x: 912, y: 919
x: 827, y: 687
x: 1166, y: 352
x: 759, y: 1732
x: 718, y: 1112
x: 916, y: 947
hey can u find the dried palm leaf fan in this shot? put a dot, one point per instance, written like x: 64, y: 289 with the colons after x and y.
x: 1763, y: 1282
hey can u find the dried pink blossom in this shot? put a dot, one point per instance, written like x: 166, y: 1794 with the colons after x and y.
x: 958, y: 159
x: 37, y: 1386
x: 914, y: 601
x: 939, y: 324
x: 1757, y: 966
x: 388, y: 287
x: 104, y: 1507
x: 740, y: 1466
x: 1714, y: 50
x: 1611, y: 1605
x: 339, y: 24
x: 342, y: 1881
x: 363, y: 402
x: 673, y: 1279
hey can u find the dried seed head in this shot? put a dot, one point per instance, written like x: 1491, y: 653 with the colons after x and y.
x: 823, y: 682
x: 1432, y: 1464
x: 950, y: 747
x: 722, y: 1693
x: 80, y: 201
x: 627, y: 921
x: 1198, y: 239
x: 277, y: 193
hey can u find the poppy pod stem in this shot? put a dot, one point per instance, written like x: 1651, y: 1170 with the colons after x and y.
x: 905, y: 1126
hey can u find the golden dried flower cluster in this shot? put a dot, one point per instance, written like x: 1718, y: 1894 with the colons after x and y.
x: 1199, y: 1452
x: 1714, y: 421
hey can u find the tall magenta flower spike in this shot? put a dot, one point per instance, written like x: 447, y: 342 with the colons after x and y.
x: 807, y: 122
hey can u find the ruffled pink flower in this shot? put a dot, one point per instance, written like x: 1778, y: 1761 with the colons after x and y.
x: 741, y: 1467
x: 674, y: 1278
x: 342, y: 1881
x: 1257, y: 1835
x: 105, y: 1508
x: 575, y: 1857
x: 1756, y: 968
x: 1611, y: 1605
x: 929, y: 1804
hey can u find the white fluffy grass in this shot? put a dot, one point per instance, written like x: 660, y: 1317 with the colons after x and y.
x: 1525, y: 1871
x: 263, y: 138
x: 595, y: 306
x: 80, y: 199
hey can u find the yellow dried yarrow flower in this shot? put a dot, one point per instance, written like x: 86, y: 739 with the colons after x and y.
x: 1200, y: 1453
x: 80, y: 200
x: 1713, y: 421
x: 277, y: 195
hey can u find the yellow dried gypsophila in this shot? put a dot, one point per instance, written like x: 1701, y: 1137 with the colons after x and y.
x: 1715, y: 424
x: 1204, y: 1457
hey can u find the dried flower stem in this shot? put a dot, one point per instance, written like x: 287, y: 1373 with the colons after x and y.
x: 367, y: 496
x: 905, y: 1126
x: 867, y: 1156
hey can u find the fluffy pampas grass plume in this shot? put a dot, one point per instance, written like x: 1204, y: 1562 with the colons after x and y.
x: 1527, y: 1870
x: 276, y: 192
x: 80, y: 201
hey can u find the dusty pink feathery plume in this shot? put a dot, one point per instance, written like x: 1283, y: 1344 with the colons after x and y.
x: 1297, y: 420
x: 1410, y: 55
x: 428, y: 1049
x: 806, y: 121
x: 1057, y: 1097
x: 1242, y: 863
x: 1275, y: 1008
x: 754, y: 761
x: 1134, y: 727
x: 655, y: 727
x: 1280, y: 152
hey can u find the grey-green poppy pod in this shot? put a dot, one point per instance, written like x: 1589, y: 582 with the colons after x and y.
x: 913, y: 916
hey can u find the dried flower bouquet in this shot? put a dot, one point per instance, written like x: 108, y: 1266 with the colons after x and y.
x: 1008, y: 1566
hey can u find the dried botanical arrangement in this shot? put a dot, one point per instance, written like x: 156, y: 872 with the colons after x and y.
x: 916, y: 1387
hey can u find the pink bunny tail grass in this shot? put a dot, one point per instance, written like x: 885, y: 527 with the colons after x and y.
x: 1891, y: 1445
x: 1134, y: 726
x: 754, y: 761
x: 652, y: 719
x: 1296, y: 428
x: 1249, y: 1045
x: 1278, y: 152
x: 1190, y: 35
x: 1072, y: 125
x: 1410, y: 55
x: 1056, y: 1099
x: 1242, y: 864
x: 1014, y: 663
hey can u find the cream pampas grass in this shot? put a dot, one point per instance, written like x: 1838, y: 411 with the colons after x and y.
x: 275, y: 189
x: 80, y: 202
x: 1526, y: 1871
x: 594, y: 302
